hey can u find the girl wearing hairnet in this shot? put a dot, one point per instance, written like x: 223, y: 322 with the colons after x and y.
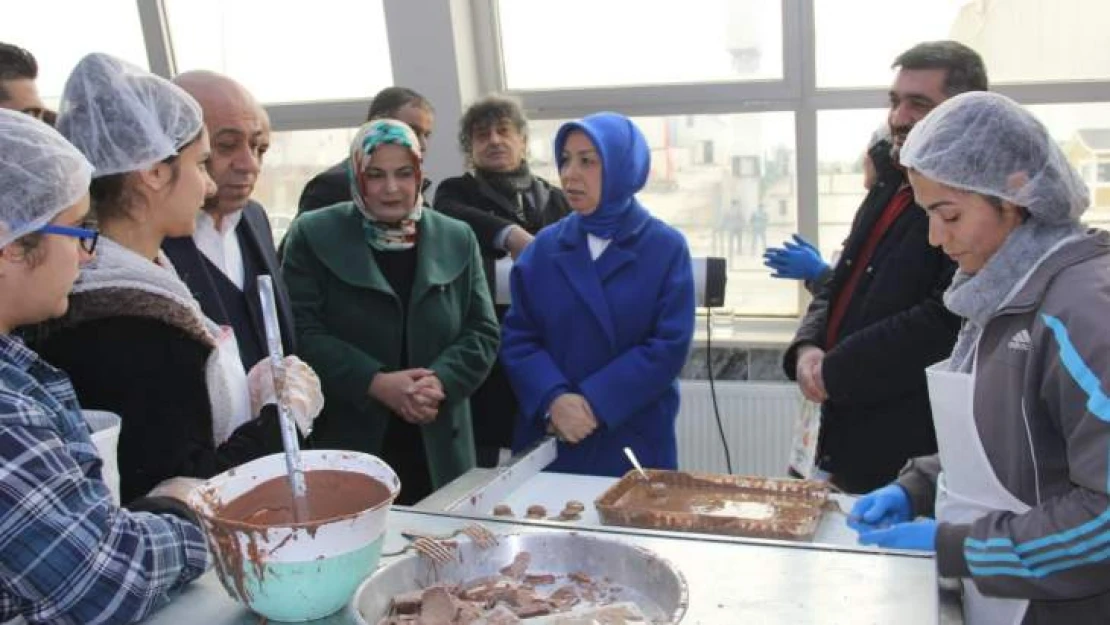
x: 134, y: 340
x: 68, y: 554
x: 1019, y: 488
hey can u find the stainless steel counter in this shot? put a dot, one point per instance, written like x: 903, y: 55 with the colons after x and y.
x: 730, y: 580
x: 553, y: 490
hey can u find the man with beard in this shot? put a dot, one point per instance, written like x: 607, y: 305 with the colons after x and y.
x: 505, y: 205
x: 18, y: 72
x: 879, y: 321
x: 233, y: 243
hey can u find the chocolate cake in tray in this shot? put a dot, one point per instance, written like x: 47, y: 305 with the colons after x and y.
x: 756, y: 507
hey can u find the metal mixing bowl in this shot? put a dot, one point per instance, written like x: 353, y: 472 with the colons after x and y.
x: 655, y: 585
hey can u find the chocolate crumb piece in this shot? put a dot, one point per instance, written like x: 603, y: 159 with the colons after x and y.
x: 478, y: 589
x: 437, y: 605
x: 581, y: 577
x: 407, y: 603
x: 569, y: 516
x: 564, y: 597
x: 518, y: 567
x: 575, y: 506
x: 500, y: 615
x: 504, y: 591
x: 522, y: 596
x: 536, y: 608
x: 539, y: 579
x: 536, y: 511
x: 469, y: 612
x: 502, y: 510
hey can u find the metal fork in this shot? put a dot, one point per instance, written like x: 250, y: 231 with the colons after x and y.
x: 476, y: 533
x: 438, y: 550
x: 434, y: 549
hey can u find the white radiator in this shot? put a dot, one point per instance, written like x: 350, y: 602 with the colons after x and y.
x: 758, y: 419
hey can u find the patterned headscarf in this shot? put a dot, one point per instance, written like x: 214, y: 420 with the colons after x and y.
x: 380, y: 235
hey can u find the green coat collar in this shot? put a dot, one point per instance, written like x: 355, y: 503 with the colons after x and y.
x: 335, y: 235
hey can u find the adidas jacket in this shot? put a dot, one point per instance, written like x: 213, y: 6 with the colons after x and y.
x: 1043, y: 413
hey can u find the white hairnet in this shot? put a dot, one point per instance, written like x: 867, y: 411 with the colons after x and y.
x: 124, y: 118
x: 41, y: 175
x: 987, y: 143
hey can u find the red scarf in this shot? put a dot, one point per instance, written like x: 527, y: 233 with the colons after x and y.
x: 902, y: 199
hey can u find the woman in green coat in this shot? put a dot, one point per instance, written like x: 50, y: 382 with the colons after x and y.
x: 393, y: 312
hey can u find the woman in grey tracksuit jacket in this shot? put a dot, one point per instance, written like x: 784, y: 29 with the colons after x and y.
x: 1042, y: 370
x: 1019, y: 488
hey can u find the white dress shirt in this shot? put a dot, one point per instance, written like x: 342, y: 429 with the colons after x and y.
x: 221, y: 246
x: 597, y: 245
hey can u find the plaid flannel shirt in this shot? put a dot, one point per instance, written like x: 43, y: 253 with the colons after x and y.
x: 67, y: 554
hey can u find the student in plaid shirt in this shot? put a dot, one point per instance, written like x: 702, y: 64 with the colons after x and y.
x: 67, y: 554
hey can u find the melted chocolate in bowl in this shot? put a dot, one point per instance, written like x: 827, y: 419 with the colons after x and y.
x: 331, y: 494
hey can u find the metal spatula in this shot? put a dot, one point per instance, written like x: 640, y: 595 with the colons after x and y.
x: 636, y: 463
x: 293, y: 463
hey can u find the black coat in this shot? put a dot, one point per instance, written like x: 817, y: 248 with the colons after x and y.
x: 328, y: 187
x: 487, y: 212
x: 877, y: 415
x: 128, y: 353
x: 470, y: 199
x: 257, y: 240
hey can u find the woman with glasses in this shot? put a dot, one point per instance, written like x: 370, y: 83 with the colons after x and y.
x: 134, y: 341
x: 86, y: 237
x: 67, y: 554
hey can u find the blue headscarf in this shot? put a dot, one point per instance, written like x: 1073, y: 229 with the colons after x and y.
x: 625, y: 165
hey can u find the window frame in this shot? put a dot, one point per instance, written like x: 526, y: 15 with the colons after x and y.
x: 797, y: 91
x: 474, y: 55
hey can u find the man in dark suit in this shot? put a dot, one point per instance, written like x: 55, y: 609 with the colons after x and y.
x: 233, y: 243
x: 879, y: 320
x: 505, y: 205
x: 333, y: 185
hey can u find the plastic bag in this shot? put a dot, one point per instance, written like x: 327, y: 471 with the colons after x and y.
x: 803, y: 449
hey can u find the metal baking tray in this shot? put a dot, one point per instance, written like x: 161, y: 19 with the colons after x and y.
x: 655, y: 585
x: 735, y: 505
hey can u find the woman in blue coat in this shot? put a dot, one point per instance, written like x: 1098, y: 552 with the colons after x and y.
x: 602, y: 311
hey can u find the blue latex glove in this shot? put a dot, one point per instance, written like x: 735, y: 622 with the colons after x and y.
x: 797, y: 260
x: 880, y: 508
x: 920, y: 535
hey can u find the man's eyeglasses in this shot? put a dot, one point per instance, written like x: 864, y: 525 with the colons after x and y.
x: 87, y: 237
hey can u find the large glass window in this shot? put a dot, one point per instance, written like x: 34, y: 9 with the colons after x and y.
x: 1019, y: 40
x: 61, y: 32
x: 1081, y: 130
x: 286, y: 52
x: 842, y: 138
x: 293, y: 159
x: 594, y: 43
x: 728, y: 183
